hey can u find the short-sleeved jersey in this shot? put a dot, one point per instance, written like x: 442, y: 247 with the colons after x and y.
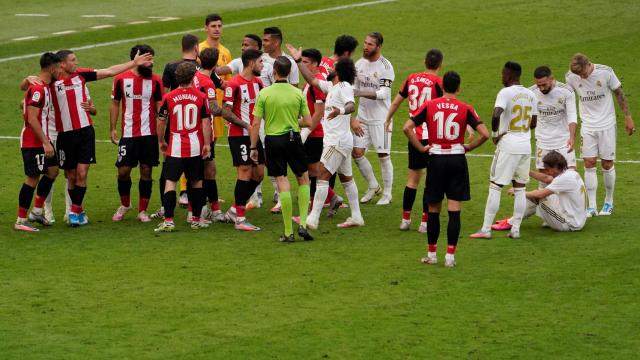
x: 205, y: 85
x: 326, y: 64
x: 139, y: 96
x: 242, y: 94
x: 556, y: 110
x: 294, y: 75
x: 315, y: 96
x: 39, y: 96
x: 280, y: 105
x: 571, y: 193
x: 266, y: 75
x: 595, y: 99
x: 418, y: 88
x: 67, y: 94
x: 447, y: 121
x: 185, y: 108
x: 371, y: 76
x: 519, y: 105
x: 337, y: 131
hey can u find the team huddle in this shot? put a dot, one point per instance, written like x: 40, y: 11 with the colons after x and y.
x: 344, y: 109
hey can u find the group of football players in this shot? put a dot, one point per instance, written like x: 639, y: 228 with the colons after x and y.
x: 179, y: 117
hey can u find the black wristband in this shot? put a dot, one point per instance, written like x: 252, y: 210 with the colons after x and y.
x: 299, y: 60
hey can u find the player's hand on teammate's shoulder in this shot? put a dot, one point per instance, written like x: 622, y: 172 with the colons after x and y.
x: 34, y: 80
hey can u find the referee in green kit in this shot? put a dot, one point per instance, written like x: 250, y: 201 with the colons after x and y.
x: 282, y: 106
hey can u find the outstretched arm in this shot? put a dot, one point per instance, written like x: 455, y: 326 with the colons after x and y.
x: 306, y: 74
x: 144, y: 59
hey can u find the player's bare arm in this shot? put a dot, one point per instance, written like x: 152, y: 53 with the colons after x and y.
x: 227, y: 114
x: 624, y: 105
x: 113, y: 119
x: 206, y: 129
x: 537, y: 195
x: 495, y: 124
x: 349, y: 108
x: 254, y: 133
x: 477, y: 140
x: 34, y: 123
x: 223, y: 70
x: 408, y: 129
x: 572, y: 136
x: 160, y: 128
x: 395, y: 105
x: 382, y: 94
x: 317, y: 116
x: 305, y: 121
x: 215, y: 109
x: 308, y: 76
x: 139, y: 59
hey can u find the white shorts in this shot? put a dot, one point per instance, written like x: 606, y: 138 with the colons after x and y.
x: 599, y: 143
x: 507, y: 167
x: 374, y: 134
x: 569, y: 156
x: 550, y: 211
x: 337, y: 159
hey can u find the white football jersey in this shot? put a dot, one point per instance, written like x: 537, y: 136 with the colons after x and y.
x: 337, y: 131
x: 556, y: 110
x: 294, y: 76
x: 571, y: 195
x: 595, y: 98
x: 519, y: 105
x: 266, y: 75
x: 371, y: 75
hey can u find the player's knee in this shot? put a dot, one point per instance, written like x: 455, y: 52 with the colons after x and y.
x: 589, y: 162
x: 357, y: 153
x: 32, y: 181
x: 607, y: 164
x: 345, y: 178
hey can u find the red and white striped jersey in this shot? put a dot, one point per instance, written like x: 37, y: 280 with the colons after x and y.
x: 139, y: 97
x: 242, y: 94
x: 419, y: 88
x: 326, y: 64
x: 315, y: 96
x: 185, y: 108
x: 39, y: 96
x: 206, y: 86
x: 68, y: 93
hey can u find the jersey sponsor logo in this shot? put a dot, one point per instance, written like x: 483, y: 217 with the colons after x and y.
x: 62, y: 88
x: 128, y: 95
x: 36, y: 96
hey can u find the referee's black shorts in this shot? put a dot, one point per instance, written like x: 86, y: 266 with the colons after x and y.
x: 281, y: 150
x: 447, y: 175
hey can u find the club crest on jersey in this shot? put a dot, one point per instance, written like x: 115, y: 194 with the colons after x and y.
x: 598, y: 83
x: 561, y: 101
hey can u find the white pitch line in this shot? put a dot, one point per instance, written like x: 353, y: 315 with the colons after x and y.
x: 35, y: 15
x: 25, y: 38
x: 98, y: 16
x: 138, y: 22
x: 248, y: 22
x: 64, y: 32
x: 471, y: 155
x: 101, y: 27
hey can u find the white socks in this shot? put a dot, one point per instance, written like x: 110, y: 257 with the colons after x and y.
x: 491, y: 209
x: 387, y: 174
x: 322, y: 189
x: 519, y: 207
x: 591, y: 183
x: 367, y: 171
x: 609, y: 184
x: 351, y: 190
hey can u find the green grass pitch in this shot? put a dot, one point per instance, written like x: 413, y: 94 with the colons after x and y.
x: 119, y: 291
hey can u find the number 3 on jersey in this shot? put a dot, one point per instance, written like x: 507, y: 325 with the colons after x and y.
x: 447, y: 129
x: 416, y: 101
x: 521, y: 120
x: 186, y: 118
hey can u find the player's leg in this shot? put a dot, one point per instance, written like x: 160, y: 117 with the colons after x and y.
x: 330, y: 161
x: 298, y: 162
x: 607, y: 153
x: 24, y: 203
x: 433, y: 233
x: 552, y: 213
x: 149, y: 157
x: 48, y: 203
x: 172, y: 170
x: 124, y: 190
x: 457, y: 189
x: 184, y: 194
x: 501, y: 174
x: 360, y: 145
x: 409, y: 197
x: 346, y: 178
x: 42, y: 191
x: 520, y: 179
x: 86, y: 147
x: 210, y: 186
x: 589, y: 152
x: 381, y: 140
x: 195, y: 174
x: 453, y: 232
x: 435, y: 188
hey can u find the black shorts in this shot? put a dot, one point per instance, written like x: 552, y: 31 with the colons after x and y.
x: 134, y: 150
x: 240, y: 147
x: 313, y: 149
x: 191, y: 167
x: 35, y: 163
x: 213, y: 152
x: 76, y: 147
x: 447, y: 175
x: 418, y: 160
x: 285, y: 149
